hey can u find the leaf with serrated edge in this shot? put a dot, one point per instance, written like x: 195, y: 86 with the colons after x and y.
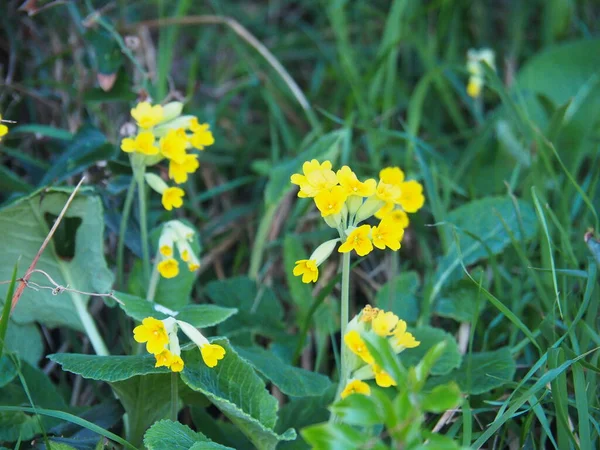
x: 166, y: 434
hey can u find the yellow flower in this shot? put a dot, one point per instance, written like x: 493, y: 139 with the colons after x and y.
x: 179, y: 171
x: 383, y: 323
x: 173, y: 145
x: 387, y: 234
x: 143, y: 143
x: 147, y: 115
x: 202, y: 136
x: 398, y: 217
x: 352, y: 185
x: 391, y: 175
x: 368, y: 314
x: 356, y: 387
x: 355, y: 343
x: 403, y: 339
x: 359, y: 241
x: 385, y: 210
x: 332, y: 201
x: 168, y: 268
x: 308, y: 269
x: 193, y: 266
x: 317, y: 177
x: 176, y: 364
x: 474, y: 87
x: 382, y: 378
x: 172, y: 198
x: 3, y: 129
x: 163, y: 359
x: 153, y: 332
x: 212, y: 354
x: 411, y: 196
x: 388, y: 192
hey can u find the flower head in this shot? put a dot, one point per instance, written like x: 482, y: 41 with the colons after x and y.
x: 359, y: 241
x: 211, y: 353
x: 387, y: 192
x: 147, y: 115
x: 356, y: 344
x: 143, y: 143
x: 307, y: 268
x: 172, y: 198
x: 382, y: 378
x: 153, y: 333
x: 202, y: 136
x: 352, y: 185
x: 368, y: 314
x: 179, y: 171
x: 332, y: 201
x: 356, y: 387
x: 168, y: 268
x: 383, y: 323
x: 173, y: 145
x: 403, y: 339
x: 387, y: 234
x: 391, y: 175
x: 317, y: 177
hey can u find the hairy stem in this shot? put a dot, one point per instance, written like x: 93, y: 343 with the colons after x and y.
x: 174, y: 396
x: 123, y: 230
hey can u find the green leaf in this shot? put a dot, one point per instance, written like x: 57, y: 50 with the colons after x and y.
x: 304, y: 411
x: 25, y: 341
x: 429, y: 337
x: 201, y: 316
x: 7, y: 307
x: 167, y: 434
x: 43, y: 130
x: 240, y: 394
x: 327, y: 146
x: 481, y: 372
x: 8, y: 370
x: 359, y: 410
x: 442, y: 398
x: 107, y: 368
x: 484, y: 220
x: 299, y: 291
x: 460, y: 301
x: 11, y: 182
x: 329, y: 436
x: 259, y: 310
x: 24, y: 222
x: 290, y: 380
x: 398, y: 295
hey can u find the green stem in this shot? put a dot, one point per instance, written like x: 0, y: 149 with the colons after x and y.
x: 153, y: 283
x: 174, y: 396
x: 123, y: 230
x: 139, y: 177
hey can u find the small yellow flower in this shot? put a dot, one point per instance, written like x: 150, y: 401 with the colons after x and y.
x: 474, y: 87
x: 389, y: 193
x: 176, y: 364
x: 382, y: 378
x: 352, y: 185
x: 179, y: 171
x: 212, y: 354
x: 359, y: 241
x: 398, y: 217
x: 332, y: 201
x: 3, y: 129
x: 202, y: 136
x: 193, y: 266
x: 173, y: 145
x: 166, y: 250
x: 383, y: 323
x: 172, y: 198
x: 168, y: 268
x: 403, y: 339
x: 391, y: 175
x: 411, y: 196
x: 368, y: 314
x: 143, y: 143
x: 153, y: 332
x: 147, y: 115
x: 356, y: 344
x: 163, y: 359
x: 307, y: 268
x: 387, y: 234
x: 317, y: 177
x: 356, y: 387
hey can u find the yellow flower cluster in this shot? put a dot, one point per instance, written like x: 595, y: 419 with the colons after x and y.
x: 384, y: 324
x: 344, y: 201
x: 175, y: 234
x: 165, y: 134
x: 160, y: 337
x: 475, y: 60
x: 3, y: 129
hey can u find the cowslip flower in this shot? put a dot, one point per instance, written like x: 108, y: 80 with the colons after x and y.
x: 161, y: 340
x: 3, y: 129
x: 355, y: 387
x: 168, y: 268
x: 171, y: 197
x: 175, y: 234
x: 383, y: 323
x: 201, y: 137
x: 358, y: 240
x: 308, y: 269
x: 387, y: 234
x: 403, y: 339
x: 146, y: 115
x: 368, y: 314
x: 316, y: 177
x: 356, y: 344
x: 475, y: 61
x: 179, y: 172
x: 173, y: 146
x: 143, y: 143
x: 332, y: 201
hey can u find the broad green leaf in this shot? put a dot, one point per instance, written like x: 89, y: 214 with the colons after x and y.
x: 8, y: 371
x: 459, y: 302
x: 361, y: 410
x: 25, y: 340
x: 259, y: 310
x: 11, y: 182
x: 24, y: 222
x: 290, y: 380
x: 167, y: 434
x: 107, y: 368
x: 484, y: 371
x: 240, y: 394
x: 201, y: 316
x: 429, y: 336
x: 43, y: 130
x: 301, y: 412
x: 327, y: 147
x: 60, y: 446
x: 330, y: 436
x: 483, y: 219
x: 442, y: 398
x: 398, y: 295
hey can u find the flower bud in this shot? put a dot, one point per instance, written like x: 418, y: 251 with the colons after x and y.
x: 193, y: 333
x: 171, y: 111
x: 175, y: 124
x: 323, y: 251
x: 155, y: 182
x: 354, y: 202
x: 368, y: 208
